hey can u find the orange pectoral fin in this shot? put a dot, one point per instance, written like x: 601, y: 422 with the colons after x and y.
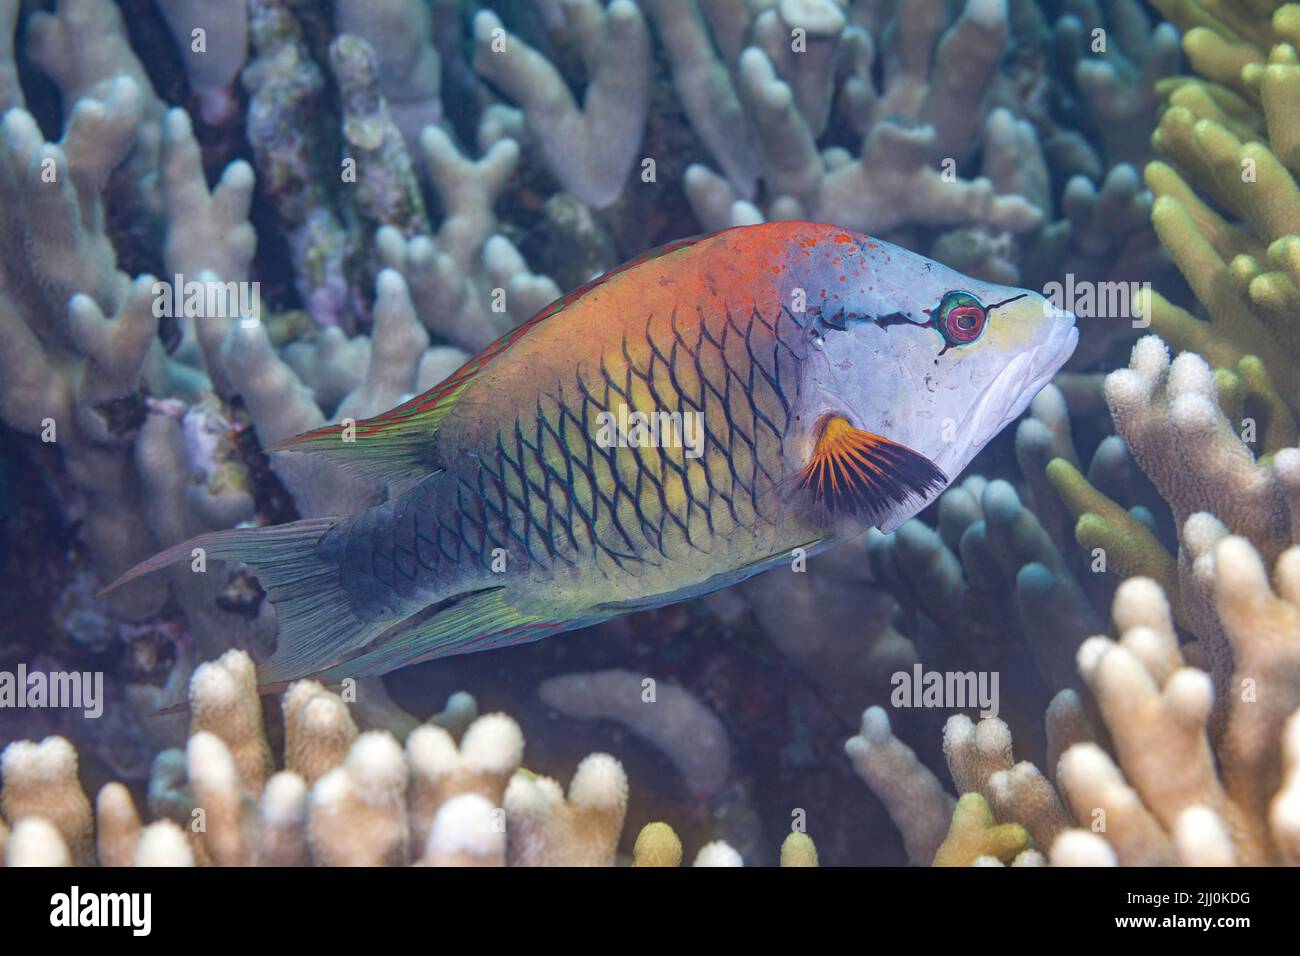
x: 852, y: 471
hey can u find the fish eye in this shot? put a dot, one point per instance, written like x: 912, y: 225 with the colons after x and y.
x: 960, y: 317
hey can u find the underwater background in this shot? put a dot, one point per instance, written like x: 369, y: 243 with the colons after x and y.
x: 407, y: 180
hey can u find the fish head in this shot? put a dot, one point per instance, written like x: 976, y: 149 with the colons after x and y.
x: 932, y: 359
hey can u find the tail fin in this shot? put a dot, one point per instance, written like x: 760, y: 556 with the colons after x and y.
x: 316, y: 621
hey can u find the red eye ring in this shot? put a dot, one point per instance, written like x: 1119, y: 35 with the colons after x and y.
x: 961, y: 318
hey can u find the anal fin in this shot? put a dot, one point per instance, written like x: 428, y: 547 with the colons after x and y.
x: 467, y: 622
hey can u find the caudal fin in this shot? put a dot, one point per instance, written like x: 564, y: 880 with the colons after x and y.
x: 317, y: 625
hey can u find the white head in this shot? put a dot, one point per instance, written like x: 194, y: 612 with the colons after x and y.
x: 930, y: 359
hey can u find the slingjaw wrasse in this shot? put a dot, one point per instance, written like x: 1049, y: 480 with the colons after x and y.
x: 673, y: 427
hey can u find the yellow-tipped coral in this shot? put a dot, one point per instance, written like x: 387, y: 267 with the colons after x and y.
x: 657, y: 845
x: 974, y: 833
x: 1231, y: 134
x: 798, y: 849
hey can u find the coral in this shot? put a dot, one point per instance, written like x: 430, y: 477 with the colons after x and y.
x: 974, y: 836
x: 400, y: 182
x: 657, y: 845
x: 224, y: 702
x: 118, y: 826
x: 991, y: 585
x: 401, y: 34
x: 589, y: 150
x: 1171, y: 416
x: 667, y: 717
x: 1172, y: 788
x: 914, y: 797
x: 489, y: 753
x: 213, y: 42
x: 346, y: 799
x: 465, y: 832
x: 798, y: 849
x: 356, y: 813
x: 717, y: 854
x: 36, y: 842
x: 549, y: 829
x: 760, y: 108
x: 40, y: 780
x: 1227, y: 203
x: 318, y: 730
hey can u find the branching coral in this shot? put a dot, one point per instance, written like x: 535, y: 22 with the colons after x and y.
x: 1174, y: 790
x: 590, y: 151
x: 760, y: 109
x: 344, y: 799
x: 1227, y: 202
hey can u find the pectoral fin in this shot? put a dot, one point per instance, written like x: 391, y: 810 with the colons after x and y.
x: 855, y: 472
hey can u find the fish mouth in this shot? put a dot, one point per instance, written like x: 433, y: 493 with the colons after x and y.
x: 1014, y: 388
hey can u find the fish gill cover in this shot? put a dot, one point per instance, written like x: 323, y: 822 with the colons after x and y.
x: 895, y: 399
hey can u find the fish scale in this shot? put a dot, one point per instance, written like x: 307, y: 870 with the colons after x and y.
x: 544, y: 491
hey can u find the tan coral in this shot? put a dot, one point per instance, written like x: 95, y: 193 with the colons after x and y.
x: 1284, y: 811
x: 356, y: 813
x: 282, y: 815
x: 434, y: 802
x: 546, y: 829
x: 163, y: 844
x: 118, y: 825
x: 1263, y: 629
x: 468, y: 830
x: 224, y: 701
x: 40, y: 780
x: 36, y: 842
x: 318, y: 730
x: 222, y: 807
x: 489, y: 753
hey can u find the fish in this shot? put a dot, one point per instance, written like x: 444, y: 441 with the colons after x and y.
x: 681, y: 423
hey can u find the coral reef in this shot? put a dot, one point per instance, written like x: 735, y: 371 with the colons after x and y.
x: 361, y: 194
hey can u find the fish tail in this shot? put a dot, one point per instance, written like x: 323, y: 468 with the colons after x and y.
x: 317, y: 623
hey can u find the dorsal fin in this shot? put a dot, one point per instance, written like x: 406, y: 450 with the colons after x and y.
x: 855, y: 472
x: 397, y: 443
